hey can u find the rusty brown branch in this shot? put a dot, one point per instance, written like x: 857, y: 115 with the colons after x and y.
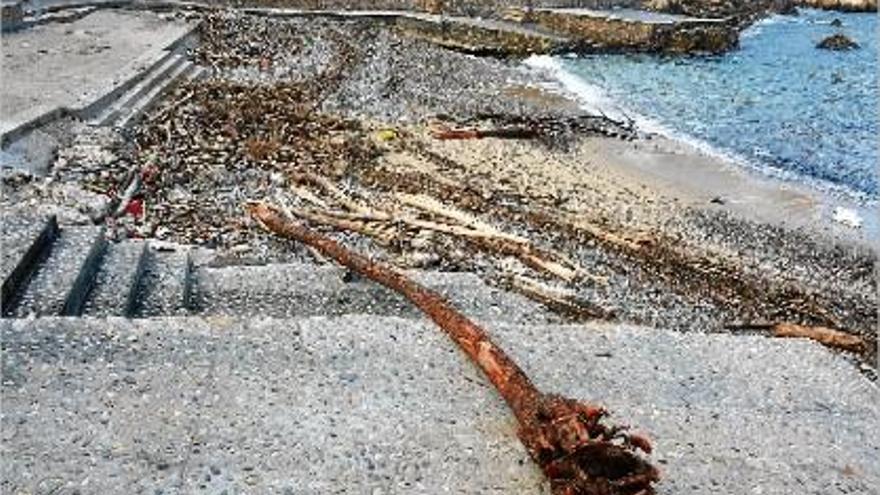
x: 829, y: 337
x: 568, y: 439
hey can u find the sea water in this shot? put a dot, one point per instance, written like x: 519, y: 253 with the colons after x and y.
x: 777, y: 102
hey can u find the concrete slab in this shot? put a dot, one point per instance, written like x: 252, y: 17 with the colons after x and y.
x: 296, y: 290
x: 627, y: 30
x: 482, y: 36
x: 632, y: 15
x: 388, y: 405
x: 33, y: 153
x: 71, y: 65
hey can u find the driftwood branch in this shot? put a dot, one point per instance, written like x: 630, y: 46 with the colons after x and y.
x: 431, y: 205
x: 464, y: 226
x: 569, y: 441
x: 446, y: 133
x: 334, y: 192
x: 562, y: 301
x: 823, y: 335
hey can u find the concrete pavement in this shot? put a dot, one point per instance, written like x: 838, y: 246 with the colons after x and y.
x: 365, y: 404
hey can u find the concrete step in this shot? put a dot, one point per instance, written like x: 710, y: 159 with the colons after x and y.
x: 132, y: 111
x: 164, y: 288
x: 285, y: 290
x: 25, y: 241
x: 214, y: 404
x: 154, y: 77
x: 116, y: 283
x: 61, y: 282
x: 72, y: 14
x: 109, y: 96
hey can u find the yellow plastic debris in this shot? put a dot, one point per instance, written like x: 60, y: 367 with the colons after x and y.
x: 386, y: 135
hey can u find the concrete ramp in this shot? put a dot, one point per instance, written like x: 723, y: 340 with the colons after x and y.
x: 387, y: 405
x: 79, y: 66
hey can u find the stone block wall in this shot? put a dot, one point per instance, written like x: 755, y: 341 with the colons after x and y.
x: 611, y: 34
x: 479, y: 39
x: 485, y: 8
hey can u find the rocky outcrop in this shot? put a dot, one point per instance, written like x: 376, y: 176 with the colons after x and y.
x: 720, y: 8
x: 741, y: 8
x: 842, y: 5
x: 838, y: 42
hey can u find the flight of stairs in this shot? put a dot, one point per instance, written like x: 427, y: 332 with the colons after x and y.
x: 124, y: 108
x: 74, y: 271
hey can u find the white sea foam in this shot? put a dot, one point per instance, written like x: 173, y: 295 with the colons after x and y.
x: 756, y: 28
x: 591, y: 98
x: 596, y: 100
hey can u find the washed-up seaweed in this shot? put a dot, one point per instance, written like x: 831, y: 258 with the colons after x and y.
x: 553, y: 131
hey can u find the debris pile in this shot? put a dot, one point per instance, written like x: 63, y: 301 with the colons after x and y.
x: 215, y: 144
x: 419, y: 229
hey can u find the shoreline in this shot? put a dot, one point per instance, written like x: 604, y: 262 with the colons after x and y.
x: 700, y: 172
x: 706, y: 181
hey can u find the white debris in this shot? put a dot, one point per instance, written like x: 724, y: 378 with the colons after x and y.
x: 847, y: 216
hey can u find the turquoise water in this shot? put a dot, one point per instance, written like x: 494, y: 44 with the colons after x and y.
x: 778, y: 102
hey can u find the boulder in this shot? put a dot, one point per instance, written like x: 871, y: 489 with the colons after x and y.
x: 838, y: 42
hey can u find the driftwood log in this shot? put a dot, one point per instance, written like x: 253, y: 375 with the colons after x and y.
x: 358, y: 217
x: 568, y: 439
x: 829, y: 337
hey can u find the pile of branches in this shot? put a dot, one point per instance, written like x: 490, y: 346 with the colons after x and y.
x: 213, y: 144
x: 396, y: 220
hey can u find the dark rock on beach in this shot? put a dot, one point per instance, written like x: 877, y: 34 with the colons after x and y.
x: 838, y: 42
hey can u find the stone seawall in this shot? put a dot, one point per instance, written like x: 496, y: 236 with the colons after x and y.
x: 485, y: 8
x: 720, y: 8
x: 842, y: 5
x: 481, y: 37
x: 607, y: 33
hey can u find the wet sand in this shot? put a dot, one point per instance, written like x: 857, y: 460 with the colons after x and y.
x: 701, y: 180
